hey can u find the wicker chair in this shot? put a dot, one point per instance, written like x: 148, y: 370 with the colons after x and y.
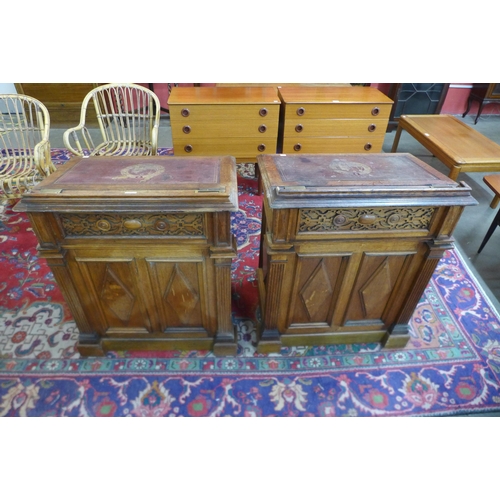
x: 24, y: 144
x: 128, y: 116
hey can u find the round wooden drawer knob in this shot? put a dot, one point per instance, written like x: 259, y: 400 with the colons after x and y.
x: 263, y: 112
x: 185, y: 112
x: 261, y: 147
x: 297, y: 147
x: 367, y: 219
x: 160, y: 225
x: 186, y: 129
x: 372, y: 127
x: 132, y: 224
x: 375, y: 111
x: 103, y: 225
x: 299, y: 128
x: 188, y: 148
x: 262, y: 129
x: 301, y: 111
x: 368, y: 146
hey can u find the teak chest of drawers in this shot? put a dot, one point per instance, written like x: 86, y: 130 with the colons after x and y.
x: 237, y: 121
x: 348, y: 245
x: 332, y: 120
x: 141, y: 248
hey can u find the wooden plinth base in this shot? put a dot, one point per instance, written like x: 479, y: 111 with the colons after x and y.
x: 226, y: 347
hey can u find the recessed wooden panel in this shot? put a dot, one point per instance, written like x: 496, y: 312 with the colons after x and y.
x: 118, y: 297
x: 314, y: 289
x: 376, y: 279
x: 180, y: 294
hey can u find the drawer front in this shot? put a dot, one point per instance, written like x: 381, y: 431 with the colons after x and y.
x: 341, y: 128
x: 237, y: 147
x: 168, y: 225
x: 231, y: 127
x: 322, y: 111
x: 312, y: 145
x: 221, y: 112
x: 349, y: 221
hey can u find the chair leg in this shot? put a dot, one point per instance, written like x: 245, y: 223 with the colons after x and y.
x: 479, y: 111
x: 494, y: 224
x: 469, y: 103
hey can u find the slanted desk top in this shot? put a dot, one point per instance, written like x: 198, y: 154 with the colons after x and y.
x: 322, y: 180
x: 99, y: 184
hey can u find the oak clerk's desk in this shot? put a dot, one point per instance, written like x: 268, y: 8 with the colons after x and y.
x: 349, y: 243
x: 141, y: 248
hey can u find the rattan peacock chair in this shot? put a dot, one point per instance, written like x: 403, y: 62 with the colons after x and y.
x: 24, y: 144
x: 128, y: 116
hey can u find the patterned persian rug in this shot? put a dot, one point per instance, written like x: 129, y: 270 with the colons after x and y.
x: 450, y: 366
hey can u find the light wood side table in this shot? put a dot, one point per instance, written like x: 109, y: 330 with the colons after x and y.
x: 458, y: 146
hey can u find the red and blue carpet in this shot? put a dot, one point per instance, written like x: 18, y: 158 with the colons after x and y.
x: 450, y: 366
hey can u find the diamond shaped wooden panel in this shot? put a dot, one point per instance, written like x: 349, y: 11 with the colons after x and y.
x: 316, y: 291
x: 180, y: 295
x: 376, y: 291
x: 116, y: 296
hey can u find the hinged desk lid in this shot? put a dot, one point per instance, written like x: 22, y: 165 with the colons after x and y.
x: 344, y: 180
x: 140, y: 183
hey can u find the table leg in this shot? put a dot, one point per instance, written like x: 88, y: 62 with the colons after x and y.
x: 454, y: 172
x: 396, y: 139
x: 494, y: 201
x: 494, y: 224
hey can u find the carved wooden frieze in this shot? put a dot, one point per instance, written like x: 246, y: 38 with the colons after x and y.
x: 365, y: 219
x: 167, y: 224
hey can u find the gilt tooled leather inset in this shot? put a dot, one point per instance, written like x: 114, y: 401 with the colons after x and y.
x: 149, y: 173
x: 324, y: 170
